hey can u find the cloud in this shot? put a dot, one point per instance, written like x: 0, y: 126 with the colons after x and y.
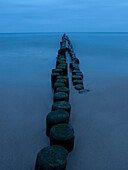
x: 73, y: 15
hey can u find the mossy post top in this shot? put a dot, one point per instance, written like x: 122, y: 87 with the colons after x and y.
x: 58, y: 115
x: 62, y: 131
x: 52, y: 156
x: 62, y: 105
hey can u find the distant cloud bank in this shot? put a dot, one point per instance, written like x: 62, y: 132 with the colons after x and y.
x: 66, y: 16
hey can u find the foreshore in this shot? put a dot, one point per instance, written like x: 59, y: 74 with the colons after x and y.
x: 100, y: 122
x: 99, y: 117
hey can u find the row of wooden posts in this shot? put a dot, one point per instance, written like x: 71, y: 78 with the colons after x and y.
x: 58, y: 129
x: 77, y: 75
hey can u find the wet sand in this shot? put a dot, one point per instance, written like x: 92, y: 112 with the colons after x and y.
x: 99, y: 118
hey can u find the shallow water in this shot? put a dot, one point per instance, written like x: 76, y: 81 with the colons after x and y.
x: 26, y: 97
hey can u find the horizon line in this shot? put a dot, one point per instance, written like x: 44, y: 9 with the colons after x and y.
x: 61, y: 32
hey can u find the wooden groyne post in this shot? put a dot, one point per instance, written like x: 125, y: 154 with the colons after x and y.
x: 58, y: 129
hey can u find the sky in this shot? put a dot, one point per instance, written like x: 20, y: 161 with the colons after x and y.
x: 63, y: 16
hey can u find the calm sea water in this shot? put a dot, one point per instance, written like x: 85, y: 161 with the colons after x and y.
x: 102, y: 51
x: 26, y: 61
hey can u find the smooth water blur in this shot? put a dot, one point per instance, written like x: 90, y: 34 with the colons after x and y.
x: 102, y: 51
x: 26, y: 54
x: 26, y: 61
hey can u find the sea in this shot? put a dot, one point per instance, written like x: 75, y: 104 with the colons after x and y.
x: 26, y: 62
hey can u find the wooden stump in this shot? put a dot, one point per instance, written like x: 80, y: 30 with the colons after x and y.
x: 62, y: 134
x: 56, y: 117
x: 52, y: 158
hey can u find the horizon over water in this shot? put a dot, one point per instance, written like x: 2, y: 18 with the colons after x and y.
x: 26, y: 62
x: 101, y: 51
x: 62, y: 32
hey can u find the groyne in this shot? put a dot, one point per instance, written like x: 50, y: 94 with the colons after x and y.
x: 61, y: 134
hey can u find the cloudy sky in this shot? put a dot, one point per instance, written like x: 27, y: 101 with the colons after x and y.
x: 63, y: 16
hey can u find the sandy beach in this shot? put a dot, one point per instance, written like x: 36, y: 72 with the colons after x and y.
x: 99, y: 117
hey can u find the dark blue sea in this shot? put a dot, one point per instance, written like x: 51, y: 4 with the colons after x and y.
x: 100, y: 118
